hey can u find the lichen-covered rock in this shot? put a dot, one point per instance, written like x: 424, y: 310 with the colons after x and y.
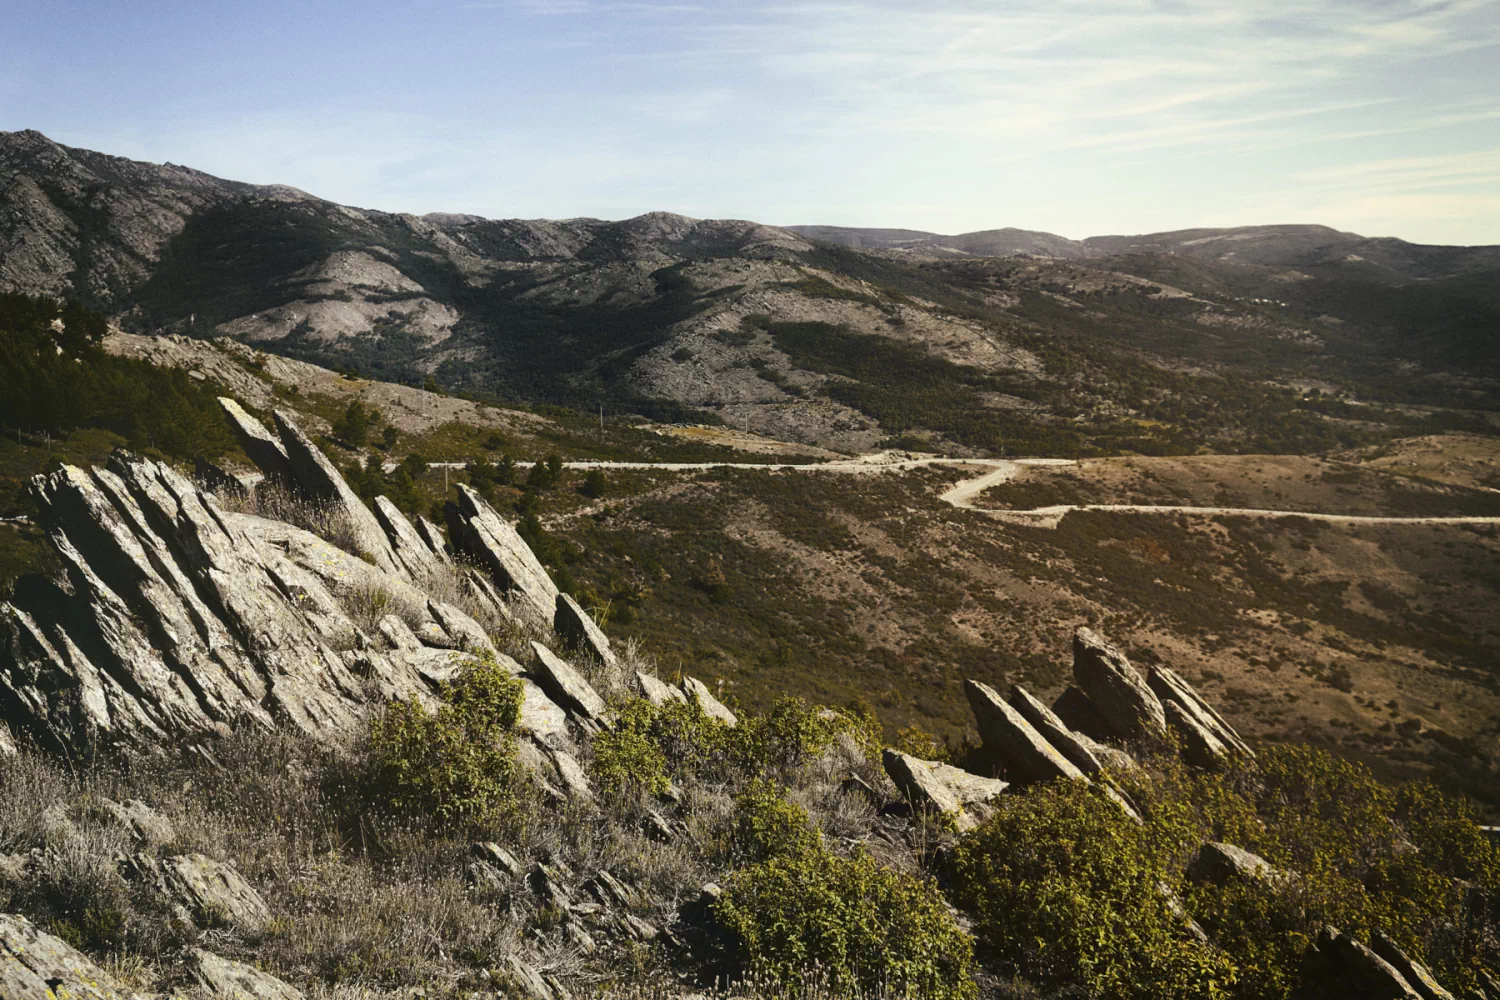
x: 145, y: 825
x: 34, y: 965
x: 658, y: 692
x: 476, y: 530
x: 1115, y: 688
x: 222, y: 977
x: 1171, y: 688
x: 942, y: 788
x: 1220, y: 863
x: 493, y: 854
x: 1027, y: 755
x: 580, y: 632
x: 571, y: 774
x: 1078, y: 749
x: 209, y: 893
x: 696, y: 691
x: 411, y: 550
x: 566, y: 686
x: 528, y: 980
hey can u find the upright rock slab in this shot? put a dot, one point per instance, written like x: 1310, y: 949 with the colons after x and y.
x: 658, y: 692
x: 1115, y: 688
x: 410, y: 549
x: 222, y: 977
x: 484, y: 536
x: 321, y: 482
x: 259, y: 444
x: 1077, y: 749
x: 206, y: 891
x: 1414, y: 972
x: 1171, y: 688
x: 566, y: 686
x: 1027, y: 755
x: 580, y: 632
x: 1354, y: 970
x: 1200, y: 747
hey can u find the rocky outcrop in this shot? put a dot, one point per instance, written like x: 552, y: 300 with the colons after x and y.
x: 1200, y: 747
x: 411, y: 550
x: 1115, y: 688
x: 580, y: 632
x: 177, y: 621
x: 1173, y: 690
x: 485, y: 537
x: 260, y: 445
x: 1078, y: 749
x: 658, y: 692
x: 1026, y: 754
x: 698, y: 693
x: 145, y: 825
x: 34, y: 965
x: 1079, y: 714
x: 566, y: 686
x: 222, y: 977
x: 931, y: 785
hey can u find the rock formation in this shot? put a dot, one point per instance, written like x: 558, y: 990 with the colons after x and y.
x: 1026, y: 754
x: 1115, y: 688
x: 484, y: 536
x: 942, y: 788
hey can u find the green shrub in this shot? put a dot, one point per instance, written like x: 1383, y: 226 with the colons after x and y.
x: 865, y: 928
x: 648, y: 745
x: 793, y: 733
x: 1064, y: 889
x: 768, y: 826
x: 456, y: 764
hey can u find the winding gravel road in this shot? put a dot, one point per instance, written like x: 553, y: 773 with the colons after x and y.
x: 1003, y: 470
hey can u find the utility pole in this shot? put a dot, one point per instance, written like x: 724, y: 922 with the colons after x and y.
x: 601, y: 421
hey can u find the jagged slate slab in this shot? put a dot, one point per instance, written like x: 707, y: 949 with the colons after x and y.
x: 34, y: 965
x: 144, y: 824
x: 543, y: 717
x: 1112, y: 757
x: 398, y: 633
x: 566, y: 686
x: 1115, y: 688
x: 528, y: 979
x: 1218, y: 863
x: 259, y: 444
x: 928, y: 784
x: 490, y: 541
x: 574, y: 781
x: 7, y: 741
x: 658, y: 692
x: 481, y: 588
x: 1026, y: 753
x: 319, y: 480
x: 465, y: 631
x: 411, y: 550
x: 696, y: 691
x: 1076, y: 748
x: 492, y: 853
x: 1079, y: 714
x: 432, y: 537
x: 1357, y: 971
x: 1170, y: 687
x: 210, y: 892
x: 1414, y: 972
x: 223, y: 977
x: 580, y: 632
x: 1200, y: 747
x: 215, y: 479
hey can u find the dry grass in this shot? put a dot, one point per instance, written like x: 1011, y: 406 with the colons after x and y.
x: 276, y: 503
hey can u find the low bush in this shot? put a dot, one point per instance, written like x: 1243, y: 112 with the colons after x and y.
x: 866, y: 929
x: 456, y: 764
x: 768, y: 826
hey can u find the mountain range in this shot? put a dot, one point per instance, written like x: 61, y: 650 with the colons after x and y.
x: 835, y: 336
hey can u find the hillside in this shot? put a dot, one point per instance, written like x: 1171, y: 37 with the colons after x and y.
x: 1166, y: 343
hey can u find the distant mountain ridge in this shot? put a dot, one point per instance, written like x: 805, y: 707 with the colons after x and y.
x: 1273, y: 246
x: 823, y: 335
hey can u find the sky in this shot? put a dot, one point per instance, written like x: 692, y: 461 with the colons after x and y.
x: 1078, y: 117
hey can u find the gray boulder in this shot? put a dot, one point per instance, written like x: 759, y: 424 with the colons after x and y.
x: 572, y: 777
x: 477, y: 531
x: 658, y: 692
x: 697, y: 692
x: 931, y: 785
x: 1414, y: 972
x: 580, y: 632
x: 1078, y: 749
x: 320, y: 482
x: 145, y: 825
x: 1172, y: 689
x: 566, y: 686
x: 411, y: 551
x: 34, y: 965
x: 1115, y: 688
x: 222, y: 977
x: 206, y: 892
x: 1027, y: 755
x: 259, y: 444
x: 528, y: 980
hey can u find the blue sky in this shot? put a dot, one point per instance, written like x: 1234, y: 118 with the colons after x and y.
x: 1081, y: 117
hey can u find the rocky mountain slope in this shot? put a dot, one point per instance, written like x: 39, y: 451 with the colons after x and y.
x: 1157, y: 342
